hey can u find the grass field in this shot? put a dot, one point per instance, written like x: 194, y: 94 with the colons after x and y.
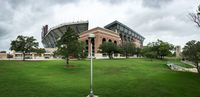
x: 112, y: 78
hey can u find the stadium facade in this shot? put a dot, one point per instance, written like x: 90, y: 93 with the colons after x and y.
x: 50, y: 36
x: 115, y: 32
x: 126, y: 33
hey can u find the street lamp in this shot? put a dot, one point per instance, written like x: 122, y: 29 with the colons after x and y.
x: 91, y: 36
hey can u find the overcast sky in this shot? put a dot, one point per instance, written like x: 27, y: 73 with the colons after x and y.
x: 167, y: 20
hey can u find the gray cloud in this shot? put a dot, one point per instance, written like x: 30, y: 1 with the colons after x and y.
x: 17, y: 3
x: 3, y: 31
x: 20, y: 14
x: 169, y: 23
x: 155, y: 3
x: 113, y: 2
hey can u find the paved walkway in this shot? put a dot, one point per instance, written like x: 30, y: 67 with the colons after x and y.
x: 189, y: 63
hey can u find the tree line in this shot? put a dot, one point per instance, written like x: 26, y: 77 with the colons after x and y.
x: 127, y: 49
x: 158, y: 49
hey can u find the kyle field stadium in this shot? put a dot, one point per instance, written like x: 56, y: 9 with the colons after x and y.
x: 115, y: 32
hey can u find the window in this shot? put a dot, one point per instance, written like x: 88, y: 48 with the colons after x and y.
x: 121, y: 28
x: 104, y: 55
x: 115, y: 54
x: 125, y: 30
x: 129, y: 38
x: 103, y: 40
x: 125, y: 37
x: 129, y: 32
x: 110, y: 40
x: 117, y: 26
x: 115, y: 42
x: 86, y: 41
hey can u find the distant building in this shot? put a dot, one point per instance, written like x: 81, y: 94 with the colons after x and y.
x: 115, y: 32
x: 32, y: 55
x: 178, y: 51
x: 3, y: 55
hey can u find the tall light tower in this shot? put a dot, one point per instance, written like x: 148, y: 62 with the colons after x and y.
x: 198, y: 11
x: 91, y: 36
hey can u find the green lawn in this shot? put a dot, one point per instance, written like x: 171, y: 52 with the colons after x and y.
x: 112, y: 78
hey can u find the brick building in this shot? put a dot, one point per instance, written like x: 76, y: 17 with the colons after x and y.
x: 101, y: 35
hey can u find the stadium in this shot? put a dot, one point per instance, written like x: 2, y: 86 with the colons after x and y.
x: 115, y: 32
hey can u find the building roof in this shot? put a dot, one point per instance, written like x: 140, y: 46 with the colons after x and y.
x: 65, y: 24
x: 119, y: 23
x: 49, y: 40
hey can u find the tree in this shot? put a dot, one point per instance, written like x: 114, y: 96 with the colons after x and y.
x: 165, y: 49
x: 191, y: 51
x: 109, y: 48
x: 127, y: 49
x: 138, y: 51
x: 24, y: 44
x: 68, y: 44
x: 159, y: 49
x: 195, y: 17
x: 148, y: 52
x: 81, y: 50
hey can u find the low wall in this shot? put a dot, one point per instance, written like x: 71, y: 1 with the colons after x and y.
x: 100, y: 56
x: 175, y: 67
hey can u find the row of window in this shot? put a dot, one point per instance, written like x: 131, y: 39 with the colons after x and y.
x: 128, y: 31
x: 124, y: 30
x: 104, y: 40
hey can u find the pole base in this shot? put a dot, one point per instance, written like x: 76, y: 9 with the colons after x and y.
x: 92, y: 96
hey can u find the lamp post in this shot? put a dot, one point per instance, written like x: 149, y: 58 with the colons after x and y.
x: 65, y: 47
x: 91, y: 36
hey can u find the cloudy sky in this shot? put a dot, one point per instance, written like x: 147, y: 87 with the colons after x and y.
x: 167, y: 20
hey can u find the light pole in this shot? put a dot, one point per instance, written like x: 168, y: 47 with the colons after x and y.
x: 198, y: 12
x: 64, y: 46
x: 91, y: 36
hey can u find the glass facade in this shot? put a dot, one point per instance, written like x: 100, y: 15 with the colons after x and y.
x: 125, y: 32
